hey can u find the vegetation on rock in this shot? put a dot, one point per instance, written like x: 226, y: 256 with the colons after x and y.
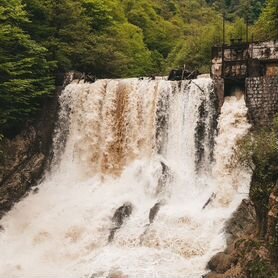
x: 259, y: 151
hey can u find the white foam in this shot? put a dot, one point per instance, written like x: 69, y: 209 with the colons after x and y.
x: 62, y: 231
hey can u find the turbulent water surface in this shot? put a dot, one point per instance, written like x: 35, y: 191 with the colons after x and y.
x: 121, y: 147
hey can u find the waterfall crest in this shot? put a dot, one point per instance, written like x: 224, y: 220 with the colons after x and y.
x: 134, y: 164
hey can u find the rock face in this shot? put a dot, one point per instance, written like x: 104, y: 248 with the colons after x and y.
x: 120, y: 215
x: 153, y: 212
x: 239, y: 227
x: 26, y: 156
x: 243, y: 222
x: 222, y: 262
x: 246, y: 254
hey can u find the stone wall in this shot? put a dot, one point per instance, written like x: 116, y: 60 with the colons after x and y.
x: 262, y: 99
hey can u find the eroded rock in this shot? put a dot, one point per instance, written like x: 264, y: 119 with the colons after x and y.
x: 27, y: 155
x: 18, y: 184
x: 153, y: 212
x: 243, y: 221
x: 117, y: 274
x: 120, y: 215
x: 165, y: 178
x: 240, y: 230
x: 222, y: 262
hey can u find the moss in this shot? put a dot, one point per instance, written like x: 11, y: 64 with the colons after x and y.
x: 260, y: 268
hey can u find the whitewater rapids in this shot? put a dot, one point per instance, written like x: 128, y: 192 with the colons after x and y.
x: 111, y: 142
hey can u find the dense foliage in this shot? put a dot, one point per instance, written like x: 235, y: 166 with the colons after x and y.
x: 25, y: 73
x: 110, y: 38
x: 250, y: 9
x: 259, y: 151
x: 267, y: 26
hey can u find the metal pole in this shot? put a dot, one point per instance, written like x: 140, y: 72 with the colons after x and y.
x: 252, y: 43
x: 223, y: 45
x: 277, y: 20
x: 247, y: 31
x: 247, y: 21
x: 224, y: 28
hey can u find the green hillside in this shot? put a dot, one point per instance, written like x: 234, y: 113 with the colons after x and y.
x: 111, y: 38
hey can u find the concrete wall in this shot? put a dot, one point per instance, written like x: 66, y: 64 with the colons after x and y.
x: 262, y: 99
x: 264, y: 50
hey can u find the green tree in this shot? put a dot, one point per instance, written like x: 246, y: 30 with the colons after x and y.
x: 25, y: 74
x: 239, y: 8
x: 63, y: 28
x: 267, y: 26
x: 194, y: 48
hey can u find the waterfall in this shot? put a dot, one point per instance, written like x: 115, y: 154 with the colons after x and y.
x: 135, y: 163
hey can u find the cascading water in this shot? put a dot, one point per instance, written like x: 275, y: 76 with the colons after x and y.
x: 132, y: 170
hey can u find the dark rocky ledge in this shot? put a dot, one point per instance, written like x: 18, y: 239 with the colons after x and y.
x: 246, y: 254
x: 26, y: 156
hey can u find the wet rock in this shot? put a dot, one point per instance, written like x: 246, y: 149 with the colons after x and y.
x: 221, y: 262
x: 18, y: 184
x: 240, y: 230
x: 36, y: 190
x: 26, y: 155
x: 153, y: 212
x: 97, y: 275
x: 117, y: 274
x: 16, y: 152
x: 200, y: 134
x: 120, y: 215
x: 242, y: 223
x: 213, y: 275
x: 162, y: 121
x: 165, y: 178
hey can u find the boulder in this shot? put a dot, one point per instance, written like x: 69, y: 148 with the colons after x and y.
x: 117, y: 274
x: 221, y: 262
x: 213, y: 275
x: 120, y: 215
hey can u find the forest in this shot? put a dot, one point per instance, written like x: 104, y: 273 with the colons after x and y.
x: 40, y: 39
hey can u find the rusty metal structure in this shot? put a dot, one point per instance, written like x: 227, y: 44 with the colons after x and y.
x: 240, y: 60
x: 251, y: 68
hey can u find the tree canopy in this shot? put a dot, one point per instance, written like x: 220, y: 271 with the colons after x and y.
x: 111, y: 38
